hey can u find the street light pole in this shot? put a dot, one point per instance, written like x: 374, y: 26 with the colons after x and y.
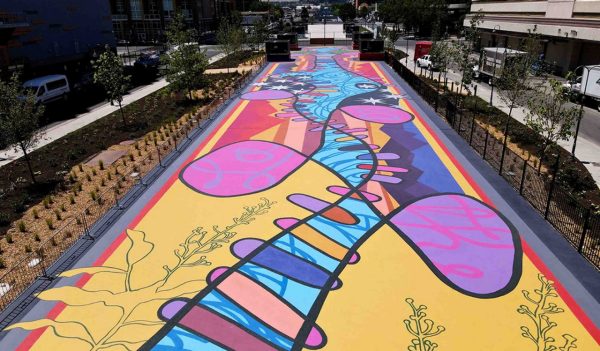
x: 494, y: 74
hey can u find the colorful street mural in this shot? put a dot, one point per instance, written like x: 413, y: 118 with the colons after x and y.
x: 322, y: 213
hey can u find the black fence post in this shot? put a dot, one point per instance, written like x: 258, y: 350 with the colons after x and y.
x: 487, y: 136
x: 472, y: 130
x: 505, y: 141
x: 525, y: 162
x: 586, y: 224
x: 550, y: 193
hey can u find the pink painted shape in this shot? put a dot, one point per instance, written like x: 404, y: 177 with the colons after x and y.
x: 285, y: 223
x: 466, y: 240
x: 315, y: 338
x: 215, y: 273
x: 378, y: 114
x: 241, y: 168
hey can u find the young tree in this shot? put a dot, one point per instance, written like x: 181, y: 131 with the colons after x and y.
x: 391, y: 36
x: 185, y: 62
x: 258, y: 34
x: 363, y: 11
x: 20, y: 119
x: 550, y: 115
x: 462, y: 51
x: 346, y: 12
x: 108, y: 72
x: 305, y: 15
x: 230, y: 38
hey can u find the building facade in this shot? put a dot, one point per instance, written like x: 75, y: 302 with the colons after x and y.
x: 145, y: 21
x: 569, y: 30
x: 40, y: 33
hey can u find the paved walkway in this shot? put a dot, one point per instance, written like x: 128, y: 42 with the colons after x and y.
x: 588, y: 142
x: 57, y: 130
x: 328, y: 207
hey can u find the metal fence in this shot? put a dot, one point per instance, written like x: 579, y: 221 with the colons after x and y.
x: 45, y: 261
x: 577, y: 222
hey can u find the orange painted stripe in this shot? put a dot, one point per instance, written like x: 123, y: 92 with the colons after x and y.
x: 318, y: 240
x: 261, y: 303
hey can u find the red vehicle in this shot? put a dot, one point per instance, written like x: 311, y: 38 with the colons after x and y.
x: 422, y: 48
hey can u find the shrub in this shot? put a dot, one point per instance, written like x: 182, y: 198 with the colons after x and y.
x: 94, y: 173
x: 88, y: 177
x: 53, y: 241
x: 22, y: 227
x: 9, y: 238
x: 36, y: 215
x: 72, y: 199
x: 80, y: 167
x: 36, y: 237
x: 46, y: 202
x: 28, y: 248
x: 20, y: 204
x: 93, y: 195
x: 49, y: 223
x: 78, y: 220
x: 72, y: 177
x: 109, y: 176
x: 101, y: 165
x: 57, y: 214
x: 2, y: 263
x: 63, y: 208
x: 103, y: 182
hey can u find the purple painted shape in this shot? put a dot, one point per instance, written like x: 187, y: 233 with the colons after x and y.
x: 380, y: 156
x: 315, y: 338
x: 170, y: 308
x: 378, y: 114
x: 355, y: 258
x: 244, y: 247
x: 241, y: 168
x: 467, y: 242
x: 216, y: 273
x: 308, y: 202
x: 267, y: 95
x: 384, y: 178
x: 285, y: 223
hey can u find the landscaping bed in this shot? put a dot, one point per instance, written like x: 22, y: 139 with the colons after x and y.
x: 245, y: 57
x: 68, y: 182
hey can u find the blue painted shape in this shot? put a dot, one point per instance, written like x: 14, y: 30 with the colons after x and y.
x: 182, y: 340
x: 298, y: 247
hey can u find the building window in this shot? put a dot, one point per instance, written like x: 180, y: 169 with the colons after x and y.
x: 137, y: 12
x: 168, y: 8
x: 120, y: 6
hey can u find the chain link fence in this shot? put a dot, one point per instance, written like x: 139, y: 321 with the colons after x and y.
x: 577, y: 222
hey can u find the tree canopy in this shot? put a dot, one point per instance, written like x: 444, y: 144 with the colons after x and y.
x: 417, y: 16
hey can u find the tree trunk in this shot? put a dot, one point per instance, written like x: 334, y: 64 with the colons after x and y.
x: 28, y: 160
x: 122, y: 113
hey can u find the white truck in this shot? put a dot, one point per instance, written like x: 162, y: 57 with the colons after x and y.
x: 590, y: 83
x: 493, y: 60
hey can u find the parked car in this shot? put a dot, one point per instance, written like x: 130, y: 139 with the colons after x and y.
x: 147, y: 61
x: 425, y: 62
x: 49, y: 88
x: 573, y: 87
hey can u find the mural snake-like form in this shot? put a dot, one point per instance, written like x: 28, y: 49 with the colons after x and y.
x: 271, y: 298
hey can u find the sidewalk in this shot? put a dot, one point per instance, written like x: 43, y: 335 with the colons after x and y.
x: 57, y: 130
x: 587, y: 151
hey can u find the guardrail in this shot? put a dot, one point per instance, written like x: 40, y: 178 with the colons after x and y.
x: 578, y: 223
x: 68, y: 243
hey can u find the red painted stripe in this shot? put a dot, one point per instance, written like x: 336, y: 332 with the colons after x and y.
x: 34, y: 335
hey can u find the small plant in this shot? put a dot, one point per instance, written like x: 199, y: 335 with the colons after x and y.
x: 88, y: 177
x: 139, y: 153
x: 46, y: 202
x: 103, y: 182
x: 78, y: 221
x: 72, y: 177
x: 124, y: 162
x: 68, y: 234
x: 71, y: 199
x: 80, y: 167
x: 57, y: 214
x: 28, y: 248
x: 9, y: 238
x: 36, y: 215
x: 93, y: 195
x: 108, y: 176
x: 2, y: 264
x: 87, y: 211
x: 22, y: 227
x: 63, y: 208
x: 96, y: 189
x: 136, y: 146
x: 101, y: 165
x: 53, y: 241
x: 36, y: 237
x: 50, y: 223
x: 94, y: 172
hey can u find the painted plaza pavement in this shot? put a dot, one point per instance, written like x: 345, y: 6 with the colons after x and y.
x: 322, y: 213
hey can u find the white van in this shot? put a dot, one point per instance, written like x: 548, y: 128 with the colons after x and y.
x: 48, y: 88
